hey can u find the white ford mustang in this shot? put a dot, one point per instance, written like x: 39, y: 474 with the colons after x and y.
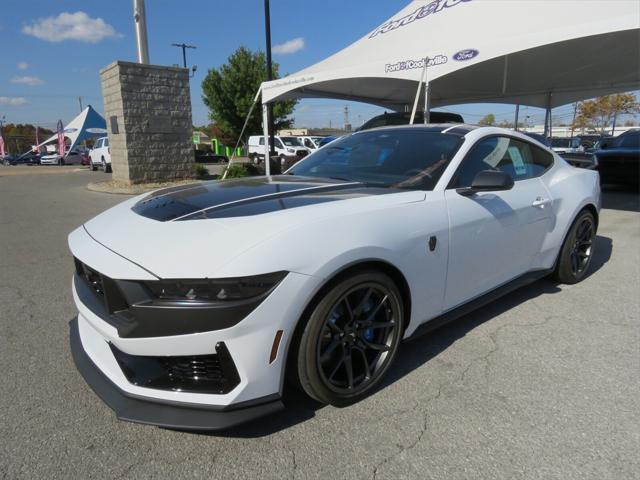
x: 195, y: 302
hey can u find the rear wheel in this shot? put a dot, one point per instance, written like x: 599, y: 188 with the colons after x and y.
x: 94, y: 167
x: 106, y: 168
x: 351, y: 338
x: 577, y: 250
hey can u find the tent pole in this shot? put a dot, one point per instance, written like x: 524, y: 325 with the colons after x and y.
x: 427, y: 95
x: 265, y: 126
x: 515, y: 122
x: 415, y: 101
x: 547, y: 117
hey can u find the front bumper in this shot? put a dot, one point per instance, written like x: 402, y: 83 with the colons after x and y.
x: 164, y: 413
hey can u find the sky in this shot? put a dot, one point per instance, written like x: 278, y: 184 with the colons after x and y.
x: 51, y: 51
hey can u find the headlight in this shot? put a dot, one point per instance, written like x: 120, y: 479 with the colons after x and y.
x: 290, y: 150
x: 210, y: 290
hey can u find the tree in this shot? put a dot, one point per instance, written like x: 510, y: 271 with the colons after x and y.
x: 229, y: 91
x: 602, y: 112
x: 20, y: 137
x: 489, y: 119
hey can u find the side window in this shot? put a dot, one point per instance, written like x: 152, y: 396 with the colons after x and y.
x: 517, y: 158
x: 278, y: 143
x: 261, y: 142
x: 105, y: 142
x: 98, y: 144
x: 308, y: 143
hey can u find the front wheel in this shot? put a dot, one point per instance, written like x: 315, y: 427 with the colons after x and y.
x: 577, y: 249
x: 351, y: 338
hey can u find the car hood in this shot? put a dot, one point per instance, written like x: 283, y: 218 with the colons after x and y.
x: 204, y: 226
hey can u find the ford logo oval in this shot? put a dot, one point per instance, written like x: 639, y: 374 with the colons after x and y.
x: 463, y: 55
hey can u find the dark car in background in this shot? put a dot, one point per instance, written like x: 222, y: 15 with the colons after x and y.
x: 402, y: 118
x: 24, y: 159
x: 619, y: 158
x: 207, y: 156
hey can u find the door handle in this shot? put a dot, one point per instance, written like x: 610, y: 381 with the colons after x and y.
x: 540, y: 202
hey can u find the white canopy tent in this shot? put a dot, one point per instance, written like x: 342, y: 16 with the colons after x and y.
x: 532, y: 52
x: 87, y: 124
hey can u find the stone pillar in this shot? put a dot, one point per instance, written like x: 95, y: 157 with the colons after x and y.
x: 148, y: 114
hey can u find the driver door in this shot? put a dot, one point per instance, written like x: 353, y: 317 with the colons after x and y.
x: 494, y: 236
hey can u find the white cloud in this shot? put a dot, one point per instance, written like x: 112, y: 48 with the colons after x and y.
x: 71, y: 26
x: 14, y: 101
x: 290, y: 46
x: 27, y: 80
x: 23, y: 65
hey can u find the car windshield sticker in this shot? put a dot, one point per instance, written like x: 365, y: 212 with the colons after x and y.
x: 518, y: 162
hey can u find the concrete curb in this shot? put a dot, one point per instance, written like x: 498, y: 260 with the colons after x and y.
x: 108, y: 186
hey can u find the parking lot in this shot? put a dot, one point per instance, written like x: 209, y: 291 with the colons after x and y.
x: 541, y: 384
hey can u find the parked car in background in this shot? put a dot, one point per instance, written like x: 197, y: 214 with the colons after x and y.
x: 589, y: 142
x: 402, y: 118
x: 208, y: 156
x: 326, y: 141
x: 566, y: 145
x: 619, y: 159
x: 310, y: 142
x: 286, y: 148
x: 51, y: 158
x: 100, y: 155
x: 8, y: 159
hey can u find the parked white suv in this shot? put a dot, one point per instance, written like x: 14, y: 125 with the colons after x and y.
x: 286, y: 148
x: 310, y: 142
x: 100, y: 155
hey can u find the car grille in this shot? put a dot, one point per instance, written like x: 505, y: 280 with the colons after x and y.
x: 103, y: 287
x: 214, y: 373
x: 302, y: 153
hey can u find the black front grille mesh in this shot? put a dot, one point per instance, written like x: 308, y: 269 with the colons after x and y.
x: 214, y: 373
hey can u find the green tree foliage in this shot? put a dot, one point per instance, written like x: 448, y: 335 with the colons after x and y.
x: 489, y: 119
x: 20, y: 137
x: 229, y: 91
x: 600, y: 113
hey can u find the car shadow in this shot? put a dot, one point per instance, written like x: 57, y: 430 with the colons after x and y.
x: 415, y: 352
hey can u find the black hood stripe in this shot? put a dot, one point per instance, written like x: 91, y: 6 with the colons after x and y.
x: 270, y: 196
x: 210, y: 199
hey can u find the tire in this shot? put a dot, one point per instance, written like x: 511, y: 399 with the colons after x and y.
x: 105, y: 168
x: 94, y: 167
x: 340, y: 358
x: 577, y: 250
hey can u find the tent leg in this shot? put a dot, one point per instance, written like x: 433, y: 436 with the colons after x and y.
x: 515, y: 121
x: 265, y: 126
x: 415, y: 100
x: 427, y: 102
x: 547, y: 118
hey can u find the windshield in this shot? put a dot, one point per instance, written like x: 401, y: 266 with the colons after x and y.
x: 407, y: 158
x: 291, y: 141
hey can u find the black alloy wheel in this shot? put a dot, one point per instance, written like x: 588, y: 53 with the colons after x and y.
x: 577, y: 250
x: 351, y: 338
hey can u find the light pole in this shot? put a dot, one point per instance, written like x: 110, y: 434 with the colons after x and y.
x: 184, y: 47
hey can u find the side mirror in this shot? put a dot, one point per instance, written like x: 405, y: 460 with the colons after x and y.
x: 487, y: 181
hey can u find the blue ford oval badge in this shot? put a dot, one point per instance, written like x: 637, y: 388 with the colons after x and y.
x: 463, y: 55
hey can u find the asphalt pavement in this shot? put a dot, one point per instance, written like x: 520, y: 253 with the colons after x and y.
x: 542, y: 384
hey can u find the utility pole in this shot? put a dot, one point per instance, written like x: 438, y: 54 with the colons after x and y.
x: 184, y: 47
x: 267, y: 31
x: 140, y: 19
